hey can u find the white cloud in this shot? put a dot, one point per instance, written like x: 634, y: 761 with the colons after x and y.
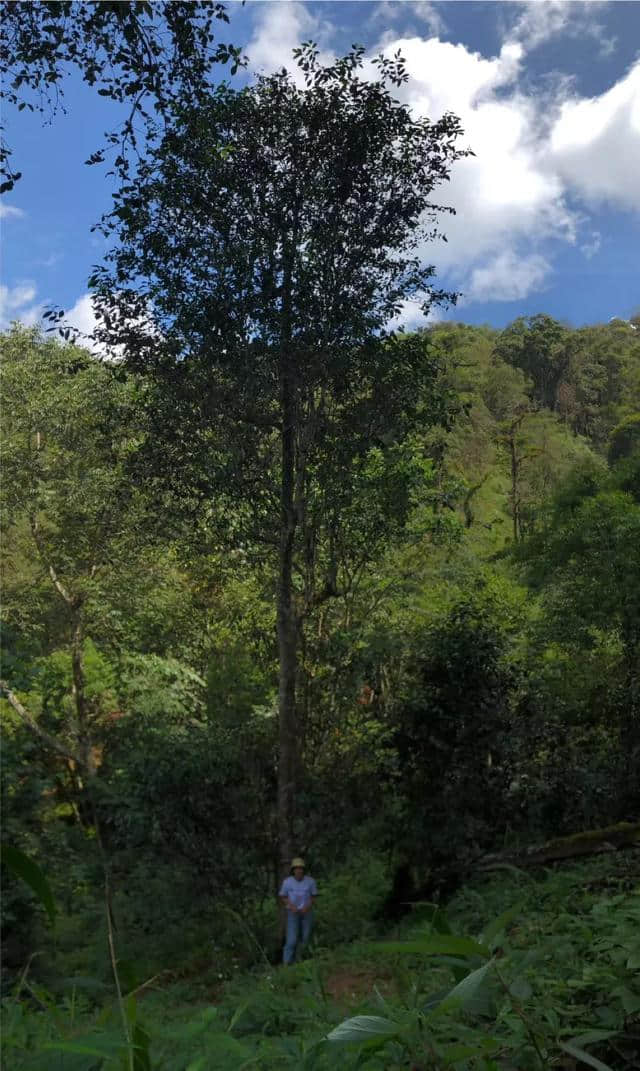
x: 10, y: 211
x: 543, y: 155
x: 505, y: 200
x: 537, y: 156
x: 607, y: 47
x: 280, y: 27
x: 589, y: 249
x: 15, y: 297
x: 31, y: 315
x: 81, y: 318
x: 540, y: 20
x: 411, y: 316
x: 507, y: 277
x: 17, y: 303
x: 51, y: 260
x: 391, y: 11
x: 595, y: 143
x: 429, y: 14
x: 82, y: 321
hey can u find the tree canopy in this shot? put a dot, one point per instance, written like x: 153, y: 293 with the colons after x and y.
x: 139, y: 54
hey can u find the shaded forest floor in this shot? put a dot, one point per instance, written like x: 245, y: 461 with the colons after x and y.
x: 564, y: 979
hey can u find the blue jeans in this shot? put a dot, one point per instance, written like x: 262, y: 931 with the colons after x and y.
x: 298, y: 934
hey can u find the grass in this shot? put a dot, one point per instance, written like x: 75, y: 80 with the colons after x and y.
x: 562, y: 977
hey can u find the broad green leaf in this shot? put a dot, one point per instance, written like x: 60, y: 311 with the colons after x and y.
x: 30, y: 872
x: 363, y: 1028
x: 633, y: 962
x: 520, y: 989
x: 238, y: 1013
x: 630, y: 1000
x: 584, y: 1057
x: 100, y: 1045
x: 75, y: 1047
x: 463, y: 994
x: 590, y: 1037
x: 495, y: 928
x: 435, y: 1000
x: 436, y: 945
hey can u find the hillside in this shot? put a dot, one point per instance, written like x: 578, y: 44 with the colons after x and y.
x: 469, y: 659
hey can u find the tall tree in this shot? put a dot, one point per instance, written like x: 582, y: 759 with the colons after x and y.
x: 256, y: 283
x: 537, y: 345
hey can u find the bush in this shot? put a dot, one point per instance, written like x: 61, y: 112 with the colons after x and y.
x: 350, y: 902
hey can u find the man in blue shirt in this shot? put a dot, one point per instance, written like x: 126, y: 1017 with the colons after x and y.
x: 298, y: 894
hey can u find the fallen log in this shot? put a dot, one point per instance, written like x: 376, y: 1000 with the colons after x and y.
x: 590, y: 842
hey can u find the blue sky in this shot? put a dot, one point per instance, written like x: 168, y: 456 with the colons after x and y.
x: 548, y: 211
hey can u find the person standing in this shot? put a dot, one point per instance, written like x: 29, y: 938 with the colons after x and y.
x: 298, y: 894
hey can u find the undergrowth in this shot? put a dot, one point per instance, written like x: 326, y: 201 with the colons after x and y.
x: 522, y: 971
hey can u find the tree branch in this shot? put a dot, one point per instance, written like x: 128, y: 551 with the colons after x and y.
x: 30, y: 721
x: 71, y: 600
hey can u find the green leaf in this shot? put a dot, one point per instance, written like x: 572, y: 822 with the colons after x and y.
x: 495, y: 928
x: 239, y: 1012
x: 584, y: 1057
x: 435, y: 999
x: 73, y: 1047
x: 633, y: 962
x: 590, y: 1037
x: 102, y: 1046
x: 364, y: 1028
x: 465, y: 992
x: 520, y: 989
x: 437, y: 945
x: 630, y: 1000
x: 30, y: 872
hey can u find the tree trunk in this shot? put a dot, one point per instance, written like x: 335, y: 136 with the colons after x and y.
x: 590, y: 842
x: 79, y: 696
x: 514, y: 485
x: 516, y: 463
x: 286, y: 614
x: 287, y: 636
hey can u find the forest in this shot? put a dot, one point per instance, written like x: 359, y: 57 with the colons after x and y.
x: 279, y: 581
x: 470, y: 687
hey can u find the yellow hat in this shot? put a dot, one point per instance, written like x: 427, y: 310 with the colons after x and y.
x: 297, y: 862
